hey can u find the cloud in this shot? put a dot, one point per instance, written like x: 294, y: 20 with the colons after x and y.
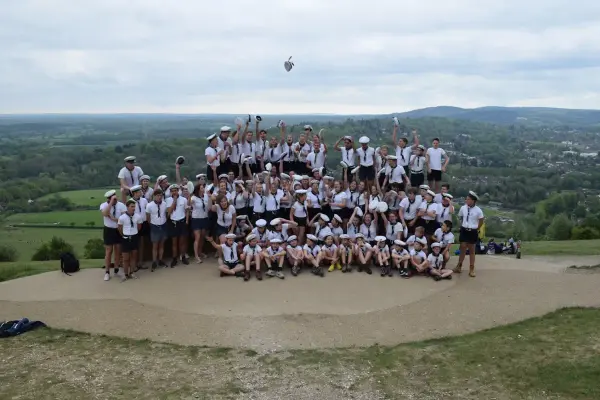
x: 351, y: 56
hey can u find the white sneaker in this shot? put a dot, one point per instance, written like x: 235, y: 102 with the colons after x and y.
x: 133, y: 275
x: 107, y: 276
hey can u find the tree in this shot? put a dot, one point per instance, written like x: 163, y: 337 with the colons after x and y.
x: 584, y: 233
x: 8, y: 253
x: 52, y: 250
x: 560, y: 228
x: 94, y: 248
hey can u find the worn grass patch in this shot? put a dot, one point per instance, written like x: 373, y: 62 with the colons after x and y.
x: 554, y: 356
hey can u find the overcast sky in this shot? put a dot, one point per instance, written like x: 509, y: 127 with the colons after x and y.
x: 351, y: 56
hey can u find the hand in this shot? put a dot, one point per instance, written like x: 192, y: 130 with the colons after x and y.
x: 444, y: 169
x: 428, y: 170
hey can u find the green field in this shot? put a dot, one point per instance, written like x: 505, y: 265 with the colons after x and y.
x: 27, y: 240
x: 78, y: 218
x: 566, y: 247
x: 551, y: 357
x: 91, y: 197
x: 20, y: 269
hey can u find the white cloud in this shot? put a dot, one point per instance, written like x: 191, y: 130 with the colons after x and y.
x: 351, y: 56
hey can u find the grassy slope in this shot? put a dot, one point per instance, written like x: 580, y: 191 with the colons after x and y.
x: 91, y: 197
x: 554, y: 356
x: 558, y: 248
x: 14, y: 270
x: 79, y: 218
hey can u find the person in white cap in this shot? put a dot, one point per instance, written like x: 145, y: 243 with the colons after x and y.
x: 129, y: 225
x: 363, y: 253
x: 445, y: 208
x: 428, y: 212
x: 348, y: 156
x: 445, y: 188
x: 177, y: 210
x: 130, y: 175
x: 252, y: 255
x: 229, y: 262
x: 299, y: 213
x: 435, y: 167
x: 200, y: 203
x: 111, y: 210
x: 320, y: 224
x: 416, y: 167
x: 395, y: 175
x: 156, y: 215
x: 146, y: 189
x: 280, y: 229
x: 295, y: 254
x: 162, y: 183
x: 366, y: 160
x: 435, y: 261
x: 226, y: 217
x: 409, y: 208
x: 471, y: 219
x: 140, y: 213
x: 213, y: 158
x: 329, y: 254
x: 261, y: 233
x: 301, y: 149
x: 337, y: 228
x: 274, y: 255
x: 418, y: 257
x: 345, y: 250
x: 224, y: 142
x: 400, y: 257
x: 382, y: 256
x: 404, y: 150
x: 311, y: 254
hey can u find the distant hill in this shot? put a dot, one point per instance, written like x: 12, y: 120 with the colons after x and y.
x: 512, y: 115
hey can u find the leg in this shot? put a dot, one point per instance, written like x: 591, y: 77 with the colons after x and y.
x: 133, y: 261
x: 472, y: 260
x: 279, y: 272
x: 161, y: 252
x: 301, y: 234
x: 257, y: 261
x: 183, y: 246
x: 201, y: 243
x: 197, y: 246
x: 126, y: 269
x: 461, y: 257
x: 174, y: 250
x: 225, y: 270
x: 108, y: 251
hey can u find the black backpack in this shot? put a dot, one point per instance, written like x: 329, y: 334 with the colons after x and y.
x: 68, y: 263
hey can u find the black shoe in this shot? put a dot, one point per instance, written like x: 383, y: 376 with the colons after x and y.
x: 185, y: 261
x: 360, y: 268
x: 239, y: 274
x: 222, y: 274
x: 153, y: 266
x: 321, y: 272
x: 449, y: 277
x: 295, y: 271
x: 246, y: 275
x: 383, y: 271
x: 173, y: 262
x: 437, y: 278
x: 390, y: 271
x: 368, y: 270
x: 142, y: 267
x: 162, y: 263
x: 116, y: 271
x: 344, y: 269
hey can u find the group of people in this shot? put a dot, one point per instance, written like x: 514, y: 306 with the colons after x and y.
x: 271, y: 204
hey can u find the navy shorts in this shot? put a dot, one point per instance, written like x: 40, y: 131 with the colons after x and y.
x: 158, y: 233
x: 434, y: 175
x: 177, y: 228
x: 198, y: 224
x: 111, y: 236
x: 366, y: 173
x: 129, y: 243
x: 222, y: 230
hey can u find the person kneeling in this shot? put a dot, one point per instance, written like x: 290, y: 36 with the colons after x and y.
x: 229, y: 263
x: 252, y: 254
x: 435, y: 262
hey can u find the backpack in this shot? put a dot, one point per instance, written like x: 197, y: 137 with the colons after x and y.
x: 68, y: 263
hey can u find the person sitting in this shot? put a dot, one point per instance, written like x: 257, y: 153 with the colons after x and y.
x: 252, y: 255
x: 295, y: 254
x: 436, y: 264
x: 229, y: 263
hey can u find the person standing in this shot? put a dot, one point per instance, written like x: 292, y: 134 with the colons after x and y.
x: 471, y: 218
x: 156, y: 216
x: 435, y: 167
x: 366, y: 159
x: 177, y: 210
x: 403, y: 150
x: 130, y: 175
x: 111, y: 210
x: 347, y: 157
x: 213, y: 158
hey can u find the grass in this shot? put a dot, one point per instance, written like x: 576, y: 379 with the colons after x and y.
x: 558, y: 248
x: 27, y: 240
x: 78, y: 218
x: 554, y: 356
x: 14, y: 270
x: 90, y: 197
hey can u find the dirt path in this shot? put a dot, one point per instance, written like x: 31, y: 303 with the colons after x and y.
x: 192, y: 305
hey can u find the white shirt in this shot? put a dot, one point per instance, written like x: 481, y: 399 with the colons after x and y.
x: 237, y: 200
x: 271, y: 251
x: 470, y: 216
x: 351, y: 198
x: 259, y: 203
x: 402, y: 252
x: 315, y: 199
x: 261, y: 148
x: 366, y: 157
x: 348, y: 156
x: 273, y: 202
x: 178, y: 213
x: 299, y: 210
x: 337, y: 199
x: 392, y: 230
x: 435, y: 261
x: 385, y: 249
x: 416, y: 164
x: 230, y: 253
x: 116, y: 211
x: 221, y: 144
x: 148, y: 193
x: 435, y: 158
x: 273, y: 154
x: 236, y: 151
x: 287, y: 151
x: 329, y: 249
x: 224, y: 217
x: 126, y: 221
x: 282, y: 234
x: 316, y: 160
x: 211, y: 151
x: 314, y: 251
x: 428, y: 208
x: 262, y: 237
x: 158, y: 212
x: 410, y: 209
x: 304, y: 150
x: 249, y: 150
x: 337, y: 231
x: 199, y: 206
x: 421, y: 254
x: 369, y: 231
x: 353, y: 230
x: 132, y: 177
x: 140, y: 208
x: 444, y: 238
x: 364, y: 248
x: 322, y: 231
x: 249, y: 251
x: 411, y: 241
x: 403, y: 154
x: 444, y: 213
x: 395, y: 174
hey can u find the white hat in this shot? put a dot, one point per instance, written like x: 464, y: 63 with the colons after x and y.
x: 249, y: 182
x: 308, y: 127
x: 110, y: 193
x: 363, y: 140
x: 275, y: 222
x: 297, y: 178
x: 301, y: 191
x: 284, y: 176
x: 135, y: 188
x: 241, y: 217
x: 144, y: 177
x: 473, y: 194
x: 199, y: 176
x: 225, y: 128
x: 379, y: 238
x: 130, y: 201
x: 230, y: 236
x: 250, y: 237
x: 211, y: 137
x: 344, y: 236
x: 174, y: 186
x: 161, y: 178
x: 312, y: 237
x: 447, y: 195
x: 424, y: 187
x: 355, y: 170
x: 180, y: 160
x: 129, y: 159
x: 393, y: 192
x: 343, y: 164
x: 261, y: 223
x: 328, y: 177
x: 292, y: 238
x: 359, y: 211
x: 315, y: 170
x: 268, y: 167
x: 305, y: 177
x: 421, y: 147
x: 421, y: 240
x: 373, y: 205
x: 431, y: 192
x: 314, y: 181
x: 399, y: 242
x: 337, y: 218
x: 223, y: 176
x: 275, y: 240
x: 436, y: 244
x: 392, y: 157
x: 348, y: 138
x: 382, y: 206
x: 359, y: 235
x: 238, y: 182
x: 324, y: 217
